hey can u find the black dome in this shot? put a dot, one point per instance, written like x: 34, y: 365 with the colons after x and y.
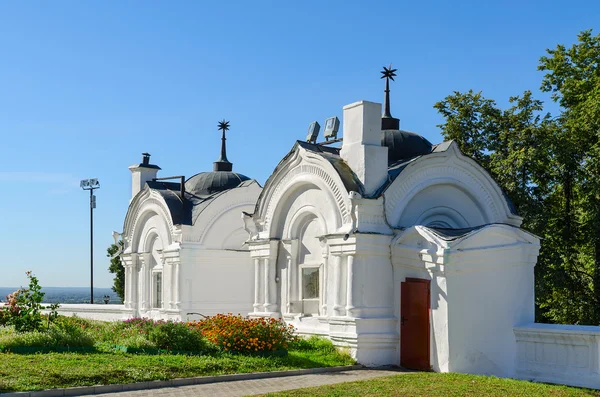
x: 404, y: 145
x: 207, y: 183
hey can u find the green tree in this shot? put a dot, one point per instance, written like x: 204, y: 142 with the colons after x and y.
x: 572, y: 76
x: 550, y: 168
x: 117, y: 269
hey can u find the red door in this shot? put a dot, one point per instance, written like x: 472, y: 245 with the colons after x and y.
x: 414, y: 324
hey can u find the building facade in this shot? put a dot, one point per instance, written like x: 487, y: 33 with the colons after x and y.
x: 183, y: 241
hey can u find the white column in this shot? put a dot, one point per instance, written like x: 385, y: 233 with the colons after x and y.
x: 133, y: 283
x: 126, y: 268
x: 324, y: 287
x: 257, y: 303
x: 288, y: 287
x: 143, y: 284
x: 177, y: 291
x: 337, y: 277
x: 349, y: 289
x: 270, y: 286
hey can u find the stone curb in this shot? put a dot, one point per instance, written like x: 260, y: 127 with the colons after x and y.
x: 154, y: 384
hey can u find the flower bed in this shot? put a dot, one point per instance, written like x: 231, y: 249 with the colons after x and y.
x: 246, y: 335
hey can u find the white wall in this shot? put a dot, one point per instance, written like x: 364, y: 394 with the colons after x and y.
x: 93, y: 312
x: 481, y: 288
x: 216, y: 281
x: 565, y: 354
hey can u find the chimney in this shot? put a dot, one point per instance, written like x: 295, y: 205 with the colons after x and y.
x: 142, y: 173
x: 361, y: 148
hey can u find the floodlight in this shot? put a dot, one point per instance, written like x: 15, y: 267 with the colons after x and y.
x: 332, y: 125
x: 84, y: 183
x: 313, y: 132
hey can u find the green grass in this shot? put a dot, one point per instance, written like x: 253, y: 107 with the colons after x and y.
x: 26, y: 372
x: 427, y: 384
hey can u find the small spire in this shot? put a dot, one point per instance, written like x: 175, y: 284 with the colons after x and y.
x: 222, y: 164
x: 387, y: 121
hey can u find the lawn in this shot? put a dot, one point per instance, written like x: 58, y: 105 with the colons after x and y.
x: 26, y: 372
x: 427, y: 384
x: 106, y: 365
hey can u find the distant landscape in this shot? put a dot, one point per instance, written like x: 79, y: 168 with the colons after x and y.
x: 69, y: 294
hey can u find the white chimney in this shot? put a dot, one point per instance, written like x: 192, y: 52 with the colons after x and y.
x: 142, y: 173
x: 361, y: 148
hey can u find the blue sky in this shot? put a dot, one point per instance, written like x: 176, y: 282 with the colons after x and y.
x: 85, y: 87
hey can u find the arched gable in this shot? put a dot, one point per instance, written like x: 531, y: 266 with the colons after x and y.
x: 303, y: 182
x: 219, y: 225
x: 147, y: 213
x: 446, y: 189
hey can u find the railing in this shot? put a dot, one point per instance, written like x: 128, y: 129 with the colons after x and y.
x: 565, y: 354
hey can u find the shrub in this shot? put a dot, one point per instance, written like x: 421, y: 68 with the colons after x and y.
x: 24, y: 307
x: 246, y: 335
x: 313, y: 343
x: 171, y: 335
x: 137, y: 342
x: 54, y: 337
x: 4, y: 317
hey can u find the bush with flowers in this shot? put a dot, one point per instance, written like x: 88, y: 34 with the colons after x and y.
x: 234, y: 333
x: 23, y: 308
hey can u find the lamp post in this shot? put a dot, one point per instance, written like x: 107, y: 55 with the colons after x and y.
x: 91, y: 185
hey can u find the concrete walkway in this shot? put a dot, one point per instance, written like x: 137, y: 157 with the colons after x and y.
x: 259, y: 386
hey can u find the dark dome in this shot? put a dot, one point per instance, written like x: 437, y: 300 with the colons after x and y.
x: 207, y: 183
x: 404, y: 145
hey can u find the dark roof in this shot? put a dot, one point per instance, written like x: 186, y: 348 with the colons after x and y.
x: 206, y: 188
x: 208, y: 183
x: 404, y: 145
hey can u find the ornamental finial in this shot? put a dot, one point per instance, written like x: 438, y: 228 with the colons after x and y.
x: 222, y: 164
x: 387, y: 121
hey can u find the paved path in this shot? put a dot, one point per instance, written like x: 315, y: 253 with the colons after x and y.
x: 258, y: 386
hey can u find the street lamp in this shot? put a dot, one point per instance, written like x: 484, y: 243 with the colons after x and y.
x: 91, y: 184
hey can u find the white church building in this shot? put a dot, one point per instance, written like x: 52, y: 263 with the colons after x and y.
x: 408, y: 253
x: 183, y: 242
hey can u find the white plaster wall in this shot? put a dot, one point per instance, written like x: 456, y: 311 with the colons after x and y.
x: 482, y: 286
x: 92, y: 312
x: 216, y: 281
x: 483, y: 307
x: 564, y: 354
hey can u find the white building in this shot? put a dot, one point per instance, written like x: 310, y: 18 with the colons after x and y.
x: 184, y: 242
x: 406, y: 252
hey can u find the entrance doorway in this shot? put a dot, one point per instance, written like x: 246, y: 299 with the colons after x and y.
x: 414, y: 324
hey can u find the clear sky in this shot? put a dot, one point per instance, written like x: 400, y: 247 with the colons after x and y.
x: 85, y: 87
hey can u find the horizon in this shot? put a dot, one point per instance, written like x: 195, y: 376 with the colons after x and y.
x: 89, y: 87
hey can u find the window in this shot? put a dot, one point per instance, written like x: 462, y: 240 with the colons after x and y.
x: 157, y: 290
x: 310, y: 290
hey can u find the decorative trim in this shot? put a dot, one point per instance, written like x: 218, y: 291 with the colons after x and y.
x: 453, y: 168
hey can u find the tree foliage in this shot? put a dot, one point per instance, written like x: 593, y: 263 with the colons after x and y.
x: 117, y: 269
x: 550, y: 168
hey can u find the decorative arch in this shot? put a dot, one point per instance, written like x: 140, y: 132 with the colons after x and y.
x: 424, y: 192
x: 147, y: 206
x: 299, y: 173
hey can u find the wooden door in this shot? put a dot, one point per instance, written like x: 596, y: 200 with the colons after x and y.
x: 414, y: 324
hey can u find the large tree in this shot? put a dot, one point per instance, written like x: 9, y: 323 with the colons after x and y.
x: 117, y: 269
x: 550, y: 168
